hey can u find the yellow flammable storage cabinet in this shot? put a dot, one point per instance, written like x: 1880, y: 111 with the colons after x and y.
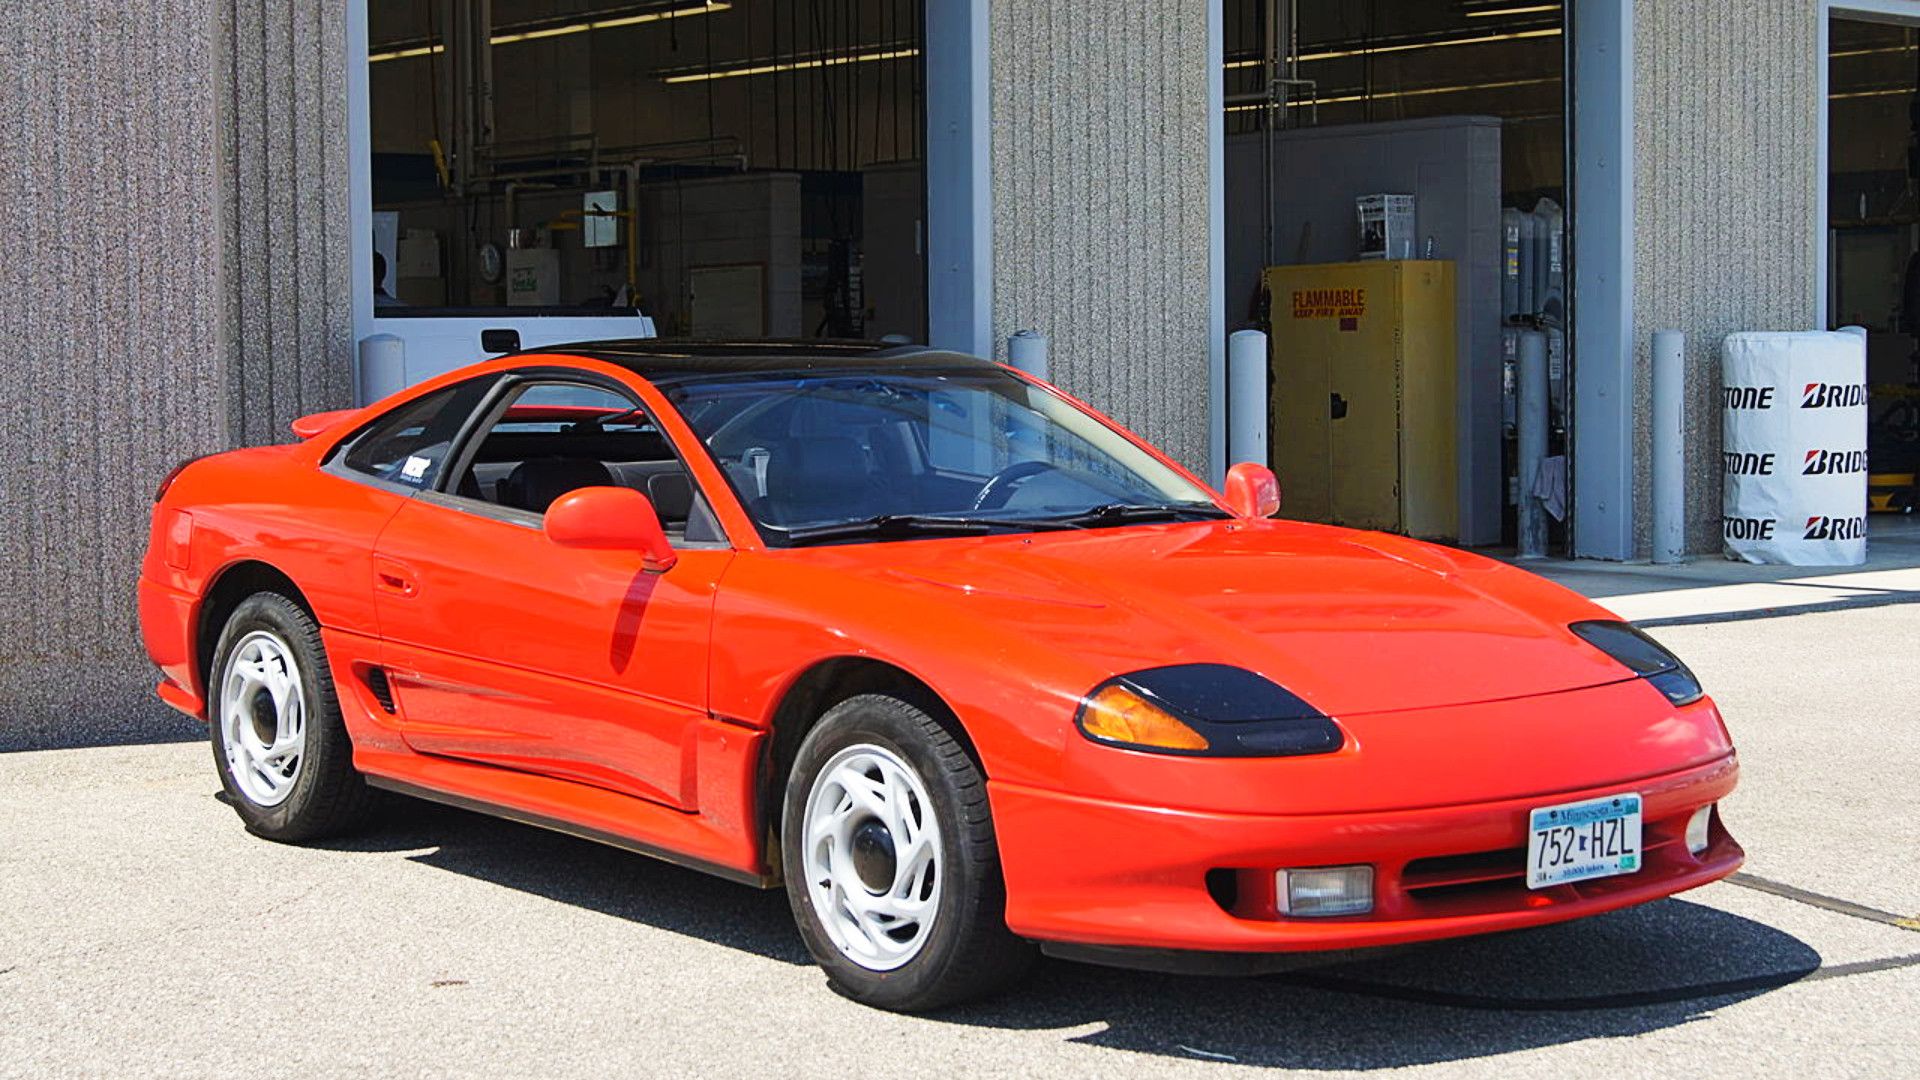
x: 1363, y: 394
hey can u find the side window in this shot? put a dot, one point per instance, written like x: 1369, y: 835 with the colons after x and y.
x: 411, y: 445
x: 552, y: 438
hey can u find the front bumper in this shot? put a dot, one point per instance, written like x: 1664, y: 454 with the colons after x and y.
x: 1096, y: 872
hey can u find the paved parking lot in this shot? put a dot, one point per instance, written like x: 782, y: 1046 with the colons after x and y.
x: 142, y: 932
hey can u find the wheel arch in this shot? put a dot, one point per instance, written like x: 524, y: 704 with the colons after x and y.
x: 824, y: 684
x: 224, y: 593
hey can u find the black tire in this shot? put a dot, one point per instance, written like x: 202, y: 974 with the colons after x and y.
x: 968, y: 951
x: 328, y: 796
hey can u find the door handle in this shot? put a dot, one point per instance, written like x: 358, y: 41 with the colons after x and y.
x: 392, y: 577
x: 1337, y: 406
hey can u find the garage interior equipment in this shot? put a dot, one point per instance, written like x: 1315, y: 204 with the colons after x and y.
x: 1873, y: 238
x: 732, y: 168
x: 1363, y: 394
x: 1459, y: 104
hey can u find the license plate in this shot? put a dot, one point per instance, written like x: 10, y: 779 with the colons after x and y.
x: 1583, y: 840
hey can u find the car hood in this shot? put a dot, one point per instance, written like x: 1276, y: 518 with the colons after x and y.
x: 1353, y: 622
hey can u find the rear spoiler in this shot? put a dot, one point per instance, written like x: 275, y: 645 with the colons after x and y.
x: 314, y: 423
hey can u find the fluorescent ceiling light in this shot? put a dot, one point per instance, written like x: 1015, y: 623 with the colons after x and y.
x: 1409, y: 46
x: 1425, y: 91
x: 776, y: 66
x: 709, y: 7
x: 402, y: 54
x: 1530, y: 9
x: 1884, y: 91
x: 1878, y: 50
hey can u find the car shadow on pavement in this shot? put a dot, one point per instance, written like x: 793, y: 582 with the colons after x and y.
x: 587, y: 875
x: 1656, y: 966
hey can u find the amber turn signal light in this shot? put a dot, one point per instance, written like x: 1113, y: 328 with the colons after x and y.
x: 1118, y: 715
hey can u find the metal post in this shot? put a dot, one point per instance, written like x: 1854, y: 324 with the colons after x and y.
x: 1247, y: 397
x: 382, y: 369
x: 1027, y: 350
x: 1669, y: 447
x: 1532, y: 409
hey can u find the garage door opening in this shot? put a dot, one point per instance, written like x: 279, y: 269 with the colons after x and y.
x: 1873, y: 240
x: 728, y: 168
x: 1396, y: 177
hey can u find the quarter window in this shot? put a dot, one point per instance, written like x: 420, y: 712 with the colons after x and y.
x: 410, y: 446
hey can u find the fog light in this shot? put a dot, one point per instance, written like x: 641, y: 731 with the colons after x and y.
x: 1697, y: 829
x: 1326, y: 890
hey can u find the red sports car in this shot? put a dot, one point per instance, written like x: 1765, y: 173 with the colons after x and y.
x: 970, y: 669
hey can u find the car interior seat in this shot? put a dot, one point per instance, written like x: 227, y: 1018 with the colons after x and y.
x: 814, y: 478
x: 534, y: 484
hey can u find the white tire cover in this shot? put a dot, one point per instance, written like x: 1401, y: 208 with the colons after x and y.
x: 1794, y: 421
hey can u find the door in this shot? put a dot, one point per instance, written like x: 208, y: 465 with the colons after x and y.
x: 1364, y: 385
x: 371, y: 477
x: 507, y: 650
x: 1302, y: 407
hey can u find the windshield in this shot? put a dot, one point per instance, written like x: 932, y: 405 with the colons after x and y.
x: 885, y: 455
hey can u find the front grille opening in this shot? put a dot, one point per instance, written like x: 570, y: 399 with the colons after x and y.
x: 1224, y: 886
x: 1471, y: 873
x: 1468, y: 890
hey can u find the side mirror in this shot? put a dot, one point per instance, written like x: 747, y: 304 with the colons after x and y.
x: 1253, y: 491
x: 610, y: 518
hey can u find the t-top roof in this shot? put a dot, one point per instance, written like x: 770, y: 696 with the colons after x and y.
x: 658, y: 359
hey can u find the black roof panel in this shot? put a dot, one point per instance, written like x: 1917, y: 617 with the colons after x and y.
x: 658, y: 359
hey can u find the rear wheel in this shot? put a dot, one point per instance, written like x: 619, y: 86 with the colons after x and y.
x: 892, y: 869
x: 278, y: 740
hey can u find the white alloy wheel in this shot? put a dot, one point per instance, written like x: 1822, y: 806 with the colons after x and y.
x: 263, y: 717
x: 871, y: 849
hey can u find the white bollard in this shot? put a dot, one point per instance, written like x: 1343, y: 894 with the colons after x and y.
x: 1669, y: 446
x: 1247, y: 425
x: 1027, y: 350
x: 383, y: 367
x: 1532, y: 418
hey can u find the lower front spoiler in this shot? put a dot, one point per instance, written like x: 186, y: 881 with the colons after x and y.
x: 1241, y: 965
x: 1142, y: 886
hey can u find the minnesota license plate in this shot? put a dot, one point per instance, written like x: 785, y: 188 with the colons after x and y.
x: 1583, y: 840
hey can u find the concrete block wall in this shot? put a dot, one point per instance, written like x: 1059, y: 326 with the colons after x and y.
x: 109, y: 193
x: 1100, y: 195
x: 1726, y: 200
x: 287, y: 327
x: 176, y: 285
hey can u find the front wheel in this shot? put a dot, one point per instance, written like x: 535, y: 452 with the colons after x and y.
x: 892, y: 869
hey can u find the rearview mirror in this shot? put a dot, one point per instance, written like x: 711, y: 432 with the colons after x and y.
x: 610, y: 518
x: 1253, y: 491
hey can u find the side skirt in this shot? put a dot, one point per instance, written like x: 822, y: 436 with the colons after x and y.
x: 584, y: 832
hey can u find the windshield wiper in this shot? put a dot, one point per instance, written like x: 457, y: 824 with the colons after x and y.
x: 1126, y: 513
x: 908, y: 525
x: 891, y: 526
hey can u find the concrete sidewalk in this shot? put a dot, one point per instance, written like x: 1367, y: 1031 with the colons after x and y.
x: 1714, y: 589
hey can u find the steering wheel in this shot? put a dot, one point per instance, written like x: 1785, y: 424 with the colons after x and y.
x: 999, y: 487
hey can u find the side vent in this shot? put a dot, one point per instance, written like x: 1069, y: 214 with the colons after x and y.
x: 382, y: 689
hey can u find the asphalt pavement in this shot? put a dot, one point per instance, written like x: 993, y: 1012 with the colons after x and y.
x: 142, y: 932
